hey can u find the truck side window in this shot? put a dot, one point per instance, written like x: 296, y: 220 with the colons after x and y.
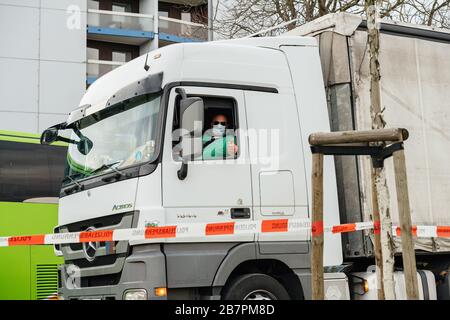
x: 219, y: 139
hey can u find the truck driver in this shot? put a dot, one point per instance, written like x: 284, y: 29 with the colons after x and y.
x: 216, y: 143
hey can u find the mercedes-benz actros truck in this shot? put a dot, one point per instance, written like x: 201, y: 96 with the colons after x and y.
x: 146, y: 148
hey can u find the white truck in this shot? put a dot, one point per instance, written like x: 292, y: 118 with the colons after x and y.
x: 127, y: 169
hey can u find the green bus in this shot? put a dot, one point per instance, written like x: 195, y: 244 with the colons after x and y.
x: 30, y: 181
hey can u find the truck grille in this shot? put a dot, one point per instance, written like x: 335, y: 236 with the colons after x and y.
x: 110, y: 257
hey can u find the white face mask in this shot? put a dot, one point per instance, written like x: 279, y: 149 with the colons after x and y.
x: 218, y: 130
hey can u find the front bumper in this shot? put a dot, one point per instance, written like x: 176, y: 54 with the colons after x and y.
x: 143, y: 269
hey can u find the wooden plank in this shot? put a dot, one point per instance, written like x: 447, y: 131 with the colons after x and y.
x: 317, y: 228
x: 377, y: 135
x: 404, y: 213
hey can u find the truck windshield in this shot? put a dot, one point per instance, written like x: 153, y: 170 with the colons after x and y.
x: 122, y: 135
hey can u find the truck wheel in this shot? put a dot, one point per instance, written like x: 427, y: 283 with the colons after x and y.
x: 255, y: 286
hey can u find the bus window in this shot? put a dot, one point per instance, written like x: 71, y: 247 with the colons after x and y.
x: 30, y: 170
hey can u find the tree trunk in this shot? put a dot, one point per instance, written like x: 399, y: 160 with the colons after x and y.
x: 377, y: 238
x: 386, y: 275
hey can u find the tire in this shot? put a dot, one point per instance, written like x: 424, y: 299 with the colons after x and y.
x: 255, y: 286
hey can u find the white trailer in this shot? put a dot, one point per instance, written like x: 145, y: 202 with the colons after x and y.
x: 125, y: 168
x: 415, y: 84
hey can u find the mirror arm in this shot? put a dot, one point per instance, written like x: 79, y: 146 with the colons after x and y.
x: 59, y: 126
x: 183, y: 171
x: 59, y: 138
x: 181, y: 92
x: 78, y: 132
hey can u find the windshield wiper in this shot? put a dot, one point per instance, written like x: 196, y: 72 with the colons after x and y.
x: 75, y: 188
x: 107, y: 166
x: 73, y: 180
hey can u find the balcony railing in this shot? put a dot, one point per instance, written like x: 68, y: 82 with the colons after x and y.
x: 137, y: 25
x: 120, y: 23
x: 181, y: 31
x: 97, y: 68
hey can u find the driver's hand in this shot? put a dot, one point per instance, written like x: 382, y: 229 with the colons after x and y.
x: 232, y: 149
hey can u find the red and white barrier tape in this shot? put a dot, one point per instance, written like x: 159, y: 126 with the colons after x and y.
x: 427, y: 231
x: 189, y: 230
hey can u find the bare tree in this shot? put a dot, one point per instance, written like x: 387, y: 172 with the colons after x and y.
x: 237, y: 18
x: 427, y: 12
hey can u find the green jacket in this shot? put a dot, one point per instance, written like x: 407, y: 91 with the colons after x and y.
x: 216, y: 149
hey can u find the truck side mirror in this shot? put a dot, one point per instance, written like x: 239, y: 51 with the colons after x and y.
x: 191, y: 110
x: 85, y: 145
x: 49, y: 136
x: 191, y: 125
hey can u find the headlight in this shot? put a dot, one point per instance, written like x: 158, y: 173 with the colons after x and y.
x: 135, y: 294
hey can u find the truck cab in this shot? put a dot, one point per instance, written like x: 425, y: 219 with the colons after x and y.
x: 136, y: 159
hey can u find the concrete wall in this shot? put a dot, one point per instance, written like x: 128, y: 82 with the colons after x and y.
x: 149, y: 7
x: 42, y: 62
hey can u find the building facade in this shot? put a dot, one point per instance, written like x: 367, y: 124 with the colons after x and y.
x: 52, y: 50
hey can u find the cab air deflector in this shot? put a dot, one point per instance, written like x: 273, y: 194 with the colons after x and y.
x: 147, y: 85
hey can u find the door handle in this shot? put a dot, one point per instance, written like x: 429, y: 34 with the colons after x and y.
x: 240, y: 213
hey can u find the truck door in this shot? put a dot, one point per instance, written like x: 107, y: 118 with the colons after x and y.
x: 278, y: 175
x: 215, y: 189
